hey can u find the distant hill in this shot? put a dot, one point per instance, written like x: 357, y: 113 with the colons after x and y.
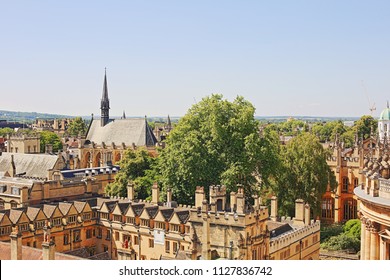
x: 28, y: 116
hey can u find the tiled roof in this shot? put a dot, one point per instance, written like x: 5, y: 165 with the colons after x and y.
x: 14, y: 215
x: 277, y: 228
x: 152, y: 211
x: 48, y: 210
x: 118, y: 131
x: 138, y: 208
x: 111, y: 205
x: 35, y: 165
x: 123, y: 207
x: 167, y: 213
x: 32, y: 212
x: 64, y: 207
x: 183, y: 216
x: 79, y: 205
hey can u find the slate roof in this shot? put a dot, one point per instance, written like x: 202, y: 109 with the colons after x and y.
x: 123, y: 207
x: 152, y: 211
x: 35, y: 165
x: 14, y: 215
x: 118, y: 131
x: 277, y: 228
x: 138, y: 208
x: 167, y: 213
x: 183, y: 216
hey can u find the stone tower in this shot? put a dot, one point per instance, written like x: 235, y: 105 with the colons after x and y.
x: 384, y: 123
x: 105, y: 103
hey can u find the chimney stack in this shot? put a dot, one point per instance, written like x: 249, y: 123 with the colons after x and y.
x: 233, y: 201
x: 307, y: 214
x: 16, y: 244
x: 130, y: 191
x: 274, y: 209
x: 240, y: 200
x: 299, y: 212
x: 169, y: 195
x: 48, y: 246
x: 155, y: 193
x: 199, y: 196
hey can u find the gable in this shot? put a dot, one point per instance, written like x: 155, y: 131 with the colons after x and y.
x: 4, y: 220
x: 117, y: 210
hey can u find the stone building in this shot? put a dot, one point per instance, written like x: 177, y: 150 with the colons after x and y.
x: 24, y: 144
x: 374, y: 204
x: 107, y: 139
x: 130, y: 229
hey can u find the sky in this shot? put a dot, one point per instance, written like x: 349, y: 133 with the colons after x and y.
x: 290, y: 58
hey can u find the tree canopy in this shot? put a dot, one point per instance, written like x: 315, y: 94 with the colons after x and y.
x: 48, y: 137
x: 137, y: 167
x: 304, y: 173
x: 216, y: 142
x: 77, y: 126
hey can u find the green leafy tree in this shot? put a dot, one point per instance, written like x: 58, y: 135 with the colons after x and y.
x: 48, y: 137
x: 6, y: 130
x: 304, y: 173
x: 216, y: 142
x: 77, y: 126
x: 365, y: 125
x: 137, y: 167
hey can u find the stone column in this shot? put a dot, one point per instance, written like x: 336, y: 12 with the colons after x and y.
x: 16, y: 244
x: 362, y: 240
x: 382, y: 249
x: 374, y: 248
x: 367, y: 242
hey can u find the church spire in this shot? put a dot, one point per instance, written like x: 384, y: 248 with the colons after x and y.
x: 105, y: 102
x: 124, y: 115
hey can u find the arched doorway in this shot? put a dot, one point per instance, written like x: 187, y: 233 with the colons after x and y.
x: 96, y: 162
x: 87, y: 160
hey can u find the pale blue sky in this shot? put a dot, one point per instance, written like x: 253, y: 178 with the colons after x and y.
x: 286, y: 57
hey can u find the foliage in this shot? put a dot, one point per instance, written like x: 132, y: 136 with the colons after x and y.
x: 342, y: 242
x: 6, y: 130
x: 365, y: 125
x: 353, y: 228
x: 328, y: 231
x: 338, y: 237
x: 77, y: 126
x: 48, y: 137
x: 304, y: 173
x: 216, y: 142
x: 137, y: 167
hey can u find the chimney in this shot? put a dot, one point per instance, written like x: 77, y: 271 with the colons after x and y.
x: 240, y: 200
x: 206, y: 252
x: 256, y: 201
x: 199, y: 196
x: 307, y: 214
x: 12, y: 171
x: 299, y: 212
x: 155, y: 193
x: 130, y: 191
x: 274, y: 209
x: 16, y: 244
x: 233, y: 201
x: 169, y: 195
x: 48, y: 246
x: 48, y: 148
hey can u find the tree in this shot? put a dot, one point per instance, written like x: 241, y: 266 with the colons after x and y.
x: 138, y: 167
x: 77, y: 126
x: 48, y: 137
x: 304, y: 173
x: 6, y: 130
x: 365, y: 126
x: 216, y: 142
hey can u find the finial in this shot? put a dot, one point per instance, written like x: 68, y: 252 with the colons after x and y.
x: 387, y: 104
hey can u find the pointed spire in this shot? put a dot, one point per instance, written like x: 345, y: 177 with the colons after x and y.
x: 105, y: 103
x: 105, y: 88
x: 124, y: 115
x: 169, y: 124
x: 387, y: 104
